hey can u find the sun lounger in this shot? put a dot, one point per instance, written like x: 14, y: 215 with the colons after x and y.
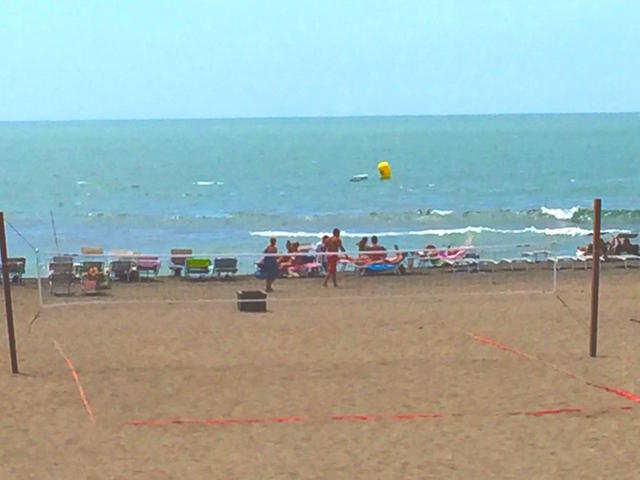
x: 89, y: 286
x: 178, y: 259
x: 564, y: 262
x: 148, y: 265
x: 124, y: 270
x: 197, y: 268
x: 61, y: 276
x: 536, y: 255
x: 378, y: 268
x: 103, y: 273
x: 392, y: 265
x: 486, y: 265
x: 307, y: 266
x: 16, y: 267
x: 518, y: 263
x: 461, y: 265
x: 311, y: 269
x: 225, y: 266
x: 428, y: 260
x: 626, y: 260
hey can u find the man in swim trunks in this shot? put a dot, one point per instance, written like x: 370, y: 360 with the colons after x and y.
x: 334, y: 244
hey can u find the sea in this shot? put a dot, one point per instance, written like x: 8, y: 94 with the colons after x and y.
x: 504, y: 184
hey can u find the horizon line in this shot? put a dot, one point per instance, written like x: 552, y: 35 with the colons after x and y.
x: 311, y: 117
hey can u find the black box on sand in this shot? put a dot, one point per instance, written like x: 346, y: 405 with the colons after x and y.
x: 252, y: 300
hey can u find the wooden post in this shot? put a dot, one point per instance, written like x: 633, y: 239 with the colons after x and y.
x: 595, y: 281
x: 7, y: 296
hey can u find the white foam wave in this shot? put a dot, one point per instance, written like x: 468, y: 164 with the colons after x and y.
x: 81, y: 182
x: 441, y: 212
x: 439, y: 232
x: 559, y: 213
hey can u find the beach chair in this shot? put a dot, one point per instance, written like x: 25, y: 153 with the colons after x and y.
x: 197, y: 268
x: 226, y: 266
x: 309, y: 265
x: 522, y: 263
x: 486, y: 265
x: 311, y: 269
x: 148, y: 266
x: 563, y: 262
x: 15, y: 267
x: 378, y: 268
x: 391, y: 265
x: 178, y: 258
x: 61, y: 276
x: 89, y: 286
x: 536, y: 256
x: 103, y: 273
x: 124, y: 270
x: 460, y: 264
x: 626, y: 260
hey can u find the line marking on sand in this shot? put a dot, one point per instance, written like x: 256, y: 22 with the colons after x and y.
x: 494, y: 343
x: 155, y: 422
x: 74, y: 374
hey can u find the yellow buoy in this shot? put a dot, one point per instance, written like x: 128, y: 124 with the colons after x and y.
x: 385, y: 170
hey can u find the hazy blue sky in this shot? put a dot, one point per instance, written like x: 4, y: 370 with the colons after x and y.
x: 166, y: 59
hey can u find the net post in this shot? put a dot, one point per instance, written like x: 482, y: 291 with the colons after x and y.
x: 7, y: 297
x: 555, y: 274
x: 40, y: 298
x: 595, y: 280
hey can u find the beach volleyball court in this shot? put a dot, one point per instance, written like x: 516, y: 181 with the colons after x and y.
x: 391, y: 375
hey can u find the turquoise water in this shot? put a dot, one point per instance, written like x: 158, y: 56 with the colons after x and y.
x: 502, y: 183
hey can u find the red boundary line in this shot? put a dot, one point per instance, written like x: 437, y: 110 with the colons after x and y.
x: 616, y: 391
x: 153, y: 422
x: 76, y: 379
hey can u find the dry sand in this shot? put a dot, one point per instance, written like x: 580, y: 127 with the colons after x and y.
x: 375, y: 346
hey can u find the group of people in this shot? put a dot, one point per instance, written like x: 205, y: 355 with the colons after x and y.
x: 272, y: 266
x: 327, y: 252
x: 618, y: 245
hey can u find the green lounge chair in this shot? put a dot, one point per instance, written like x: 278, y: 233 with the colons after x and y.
x: 197, y: 268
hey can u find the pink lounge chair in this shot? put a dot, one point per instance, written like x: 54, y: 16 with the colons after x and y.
x: 89, y: 286
x: 308, y: 269
x: 148, y: 265
x: 452, y: 254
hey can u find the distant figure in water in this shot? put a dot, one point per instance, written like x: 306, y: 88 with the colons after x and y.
x: 334, y: 245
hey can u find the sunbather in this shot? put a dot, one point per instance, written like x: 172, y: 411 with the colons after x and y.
x: 621, y: 246
x: 286, y: 261
x: 321, y: 247
x: 362, y: 244
x: 630, y: 248
x: 376, y: 251
x: 588, y: 250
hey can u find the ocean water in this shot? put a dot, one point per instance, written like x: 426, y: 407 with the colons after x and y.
x: 501, y: 183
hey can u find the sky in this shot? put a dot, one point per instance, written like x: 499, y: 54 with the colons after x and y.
x: 64, y: 60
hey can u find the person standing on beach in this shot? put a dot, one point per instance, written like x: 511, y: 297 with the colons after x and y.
x: 321, y: 247
x: 334, y: 244
x: 270, y: 268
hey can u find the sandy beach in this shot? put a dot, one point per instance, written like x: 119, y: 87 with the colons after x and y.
x: 482, y: 375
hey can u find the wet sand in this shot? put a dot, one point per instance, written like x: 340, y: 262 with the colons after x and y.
x: 274, y: 395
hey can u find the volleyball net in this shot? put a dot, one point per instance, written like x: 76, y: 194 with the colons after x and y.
x: 188, y: 275
x: 127, y: 276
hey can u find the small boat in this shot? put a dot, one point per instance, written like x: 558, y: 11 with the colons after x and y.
x: 360, y: 177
